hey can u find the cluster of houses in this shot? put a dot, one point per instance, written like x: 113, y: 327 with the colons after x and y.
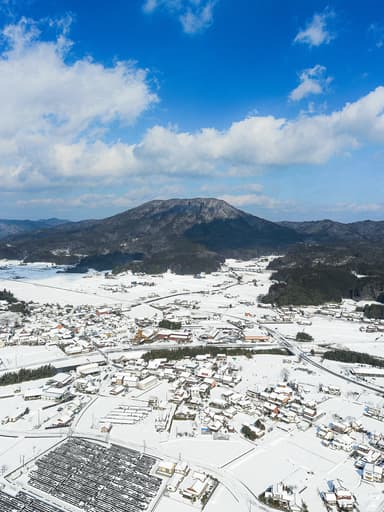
x: 337, y: 497
x: 369, y: 456
x: 192, y: 380
x: 283, y: 496
x: 337, y: 435
x: 287, y: 403
x: 83, y: 328
x: 74, y: 328
x: 56, y: 389
x: 190, y: 383
x: 194, y: 485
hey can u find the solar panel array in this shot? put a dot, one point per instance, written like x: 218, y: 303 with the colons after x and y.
x: 23, y: 502
x: 97, y: 478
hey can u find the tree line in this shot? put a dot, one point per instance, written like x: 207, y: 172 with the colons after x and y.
x: 183, y: 352
x: 349, y: 356
x: 25, y: 374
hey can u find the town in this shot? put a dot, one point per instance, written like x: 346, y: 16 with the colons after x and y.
x: 162, y: 392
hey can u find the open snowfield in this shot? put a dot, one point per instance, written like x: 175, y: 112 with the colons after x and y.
x: 14, y: 451
x: 42, y: 283
x: 338, y: 332
x: 15, y: 356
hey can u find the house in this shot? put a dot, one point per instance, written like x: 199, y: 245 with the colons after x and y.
x: 195, y: 486
x: 255, y: 335
x: 182, y: 468
x: 148, y: 382
x: 372, y: 473
x: 54, y: 394
x: 88, y: 369
x: 62, y: 379
x: 33, y: 394
x: 117, y: 390
x: 284, y: 496
x: 330, y: 499
x: 340, y: 428
x: 166, y: 468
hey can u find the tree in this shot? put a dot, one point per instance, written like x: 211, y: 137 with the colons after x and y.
x: 168, y: 324
x: 284, y: 374
x: 303, y: 337
x: 374, y: 311
x: 248, y: 432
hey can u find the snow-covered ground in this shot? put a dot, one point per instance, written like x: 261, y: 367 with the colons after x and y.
x: 288, y: 454
x: 14, y: 356
x: 42, y: 283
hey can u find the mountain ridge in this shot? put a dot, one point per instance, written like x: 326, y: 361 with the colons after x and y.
x: 185, y: 235
x: 14, y: 227
x: 161, y: 232
x: 327, y: 230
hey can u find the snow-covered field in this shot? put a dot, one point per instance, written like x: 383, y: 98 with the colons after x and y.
x: 42, y: 283
x: 15, y: 356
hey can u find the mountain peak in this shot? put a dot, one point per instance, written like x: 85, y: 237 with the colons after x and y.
x: 203, y: 209
x: 186, y: 235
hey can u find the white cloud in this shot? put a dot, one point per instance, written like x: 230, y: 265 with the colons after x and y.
x: 194, y: 15
x: 260, y: 200
x: 252, y: 143
x: 316, y: 32
x: 54, y: 114
x: 377, y: 33
x: 358, y: 207
x: 94, y: 200
x: 46, y: 98
x: 150, y: 5
x: 312, y: 81
x: 253, y: 187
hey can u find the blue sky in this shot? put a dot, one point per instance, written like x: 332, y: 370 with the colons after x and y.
x: 275, y: 106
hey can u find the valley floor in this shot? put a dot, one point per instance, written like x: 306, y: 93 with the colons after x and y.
x: 226, y: 302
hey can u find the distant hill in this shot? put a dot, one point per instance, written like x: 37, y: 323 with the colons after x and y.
x: 319, y: 273
x: 10, y: 227
x: 329, y: 231
x: 185, y: 235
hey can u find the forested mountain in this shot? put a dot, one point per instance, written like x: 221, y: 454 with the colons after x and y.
x: 185, y: 235
x: 10, y: 228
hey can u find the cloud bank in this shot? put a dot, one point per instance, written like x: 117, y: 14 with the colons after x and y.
x: 48, y: 101
x: 57, y: 112
x: 247, y: 145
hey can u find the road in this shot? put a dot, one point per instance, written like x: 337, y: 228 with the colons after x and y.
x: 294, y: 349
x: 132, y: 303
x: 138, y: 348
